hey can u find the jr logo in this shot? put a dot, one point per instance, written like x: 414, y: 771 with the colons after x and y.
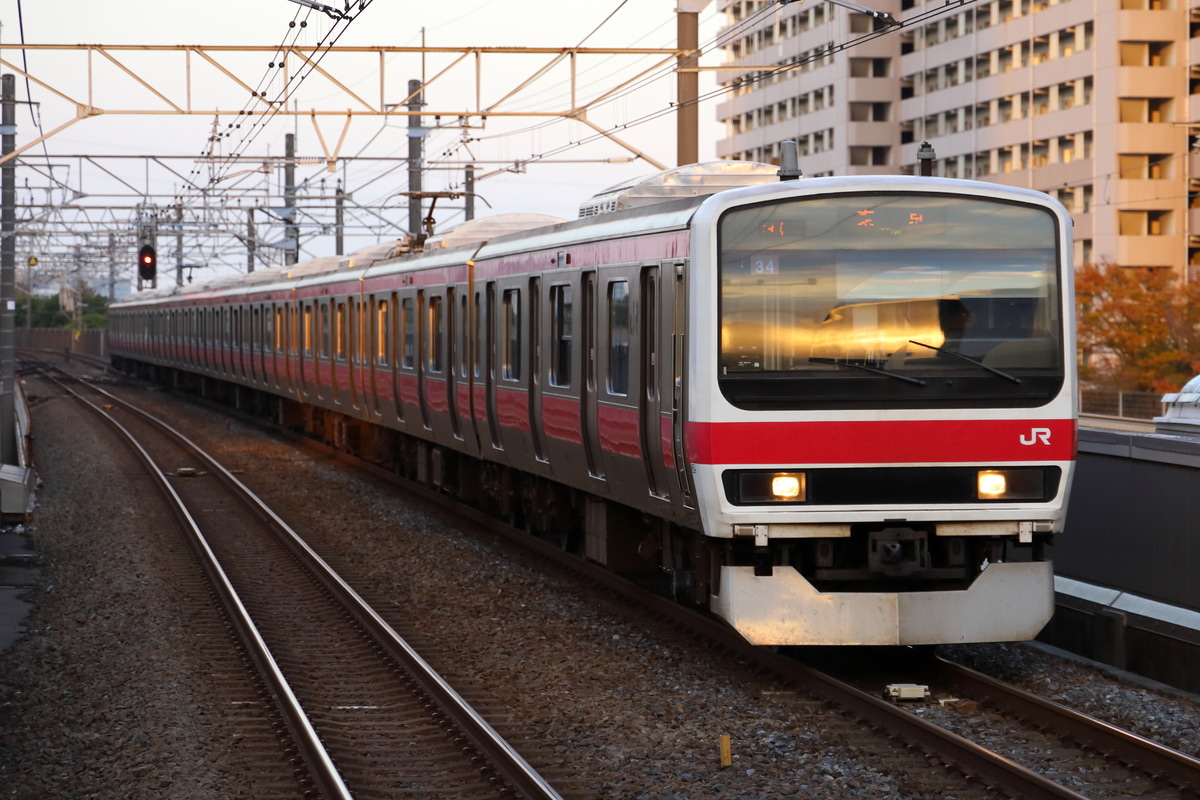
x: 1035, y: 435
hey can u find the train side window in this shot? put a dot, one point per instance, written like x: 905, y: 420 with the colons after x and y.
x: 480, y: 334
x: 408, y: 321
x: 340, y: 332
x: 511, y: 367
x: 382, y: 325
x: 464, y: 322
x: 323, y: 333
x: 436, y: 334
x: 307, y: 330
x: 618, y: 337
x: 560, y: 331
x: 279, y: 330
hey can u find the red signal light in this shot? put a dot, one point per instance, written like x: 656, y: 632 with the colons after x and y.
x: 147, y: 263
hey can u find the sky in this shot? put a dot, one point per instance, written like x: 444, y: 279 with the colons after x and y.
x: 554, y: 185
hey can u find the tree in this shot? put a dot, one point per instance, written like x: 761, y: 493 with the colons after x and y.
x: 47, y: 312
x: 1139, y: 327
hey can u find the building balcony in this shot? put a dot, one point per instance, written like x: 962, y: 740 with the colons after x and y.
x: 1151, y: 251
x: 1150, y: 137
x: 1140, y: 25
x: 1149, y: 81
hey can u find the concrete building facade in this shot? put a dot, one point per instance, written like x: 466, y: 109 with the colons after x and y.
x: 1087, y: 100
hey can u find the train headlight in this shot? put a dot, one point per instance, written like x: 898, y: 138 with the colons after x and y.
x: 765, y: 486
x: 786, y: 487
x: 1011, y: 484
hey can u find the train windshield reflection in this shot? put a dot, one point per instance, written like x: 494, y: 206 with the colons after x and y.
x: 917, y: 284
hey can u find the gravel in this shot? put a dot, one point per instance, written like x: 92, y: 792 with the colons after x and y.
x: 102, y: 698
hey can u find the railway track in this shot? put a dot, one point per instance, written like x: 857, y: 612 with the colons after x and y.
x: 355, y: 710
x: 1111, y: 762
x: 1142, y: 758
x: 993, y: 766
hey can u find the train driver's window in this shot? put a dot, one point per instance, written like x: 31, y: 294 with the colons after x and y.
x: 618, y: 337
x: 512, y: 334
x: 560, y: 330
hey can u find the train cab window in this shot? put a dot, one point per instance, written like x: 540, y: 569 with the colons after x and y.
x: 382, y: 325
x: 511, y: 368
x: 899, y: 299
x: 408, y: 321
x: 437, y: 334
x: 618, y: 337
x: 560, y: 331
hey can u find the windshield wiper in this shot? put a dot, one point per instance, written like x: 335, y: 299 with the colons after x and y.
x: 974, y: 361
x: 842, y: 363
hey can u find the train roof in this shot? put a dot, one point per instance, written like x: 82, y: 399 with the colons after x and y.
x: 690, y: 180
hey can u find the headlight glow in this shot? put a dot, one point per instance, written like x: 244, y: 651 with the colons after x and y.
x: 1011, y: 484
x: 759, y: 487
x: 785, y: 487
x: 992, y: 485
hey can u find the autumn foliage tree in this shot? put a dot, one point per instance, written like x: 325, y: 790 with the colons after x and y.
x: 1139, y: 328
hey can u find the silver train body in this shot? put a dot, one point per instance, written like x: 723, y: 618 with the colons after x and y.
x: 833, y: 410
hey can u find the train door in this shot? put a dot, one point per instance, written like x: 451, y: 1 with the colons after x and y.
x: 589, y: 406
x: 490, y: 366
x: 453, y: 346
x: 536, y: 428
x: 262, y: 342
x: 376, y: 356
x: 348, y: 344
x: 650, y: 406
x: 423, y: 349
x: 323, y: 361
x: 407, y: 381
x: 679, y: 334
x: 478, y: 360
x: 466, y: 350
x: 308, y: 349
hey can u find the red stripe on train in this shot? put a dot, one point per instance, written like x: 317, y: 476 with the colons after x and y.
x: 890, y: 442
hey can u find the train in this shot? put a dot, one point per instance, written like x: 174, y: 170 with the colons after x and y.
x: 831, y: 411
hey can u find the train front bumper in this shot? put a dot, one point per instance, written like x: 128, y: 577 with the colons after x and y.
x: 1008, y: 602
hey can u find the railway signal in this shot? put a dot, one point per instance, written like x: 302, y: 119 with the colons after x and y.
x: 147, y: 263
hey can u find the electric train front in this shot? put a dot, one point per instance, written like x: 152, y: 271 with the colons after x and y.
x: 886, y: 431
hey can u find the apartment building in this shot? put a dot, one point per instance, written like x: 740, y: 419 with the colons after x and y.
x: 1087, y: 100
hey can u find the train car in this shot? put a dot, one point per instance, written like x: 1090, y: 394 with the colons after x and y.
x: 833, y: 410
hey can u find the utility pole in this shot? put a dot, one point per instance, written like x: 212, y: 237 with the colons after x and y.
x: 687, y: 112
x: 291, y: 253
x: 179, y: 244
x: 8, y: 270
x: 469, y: 186
x: 112, y: 267
x: 416, y: 147
x: 339, y: 221
x: 251, y: 241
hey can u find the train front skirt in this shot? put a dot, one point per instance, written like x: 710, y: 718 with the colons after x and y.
x: 1008, y: 602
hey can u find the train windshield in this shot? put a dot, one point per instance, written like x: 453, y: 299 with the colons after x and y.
x: 911, y: 300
